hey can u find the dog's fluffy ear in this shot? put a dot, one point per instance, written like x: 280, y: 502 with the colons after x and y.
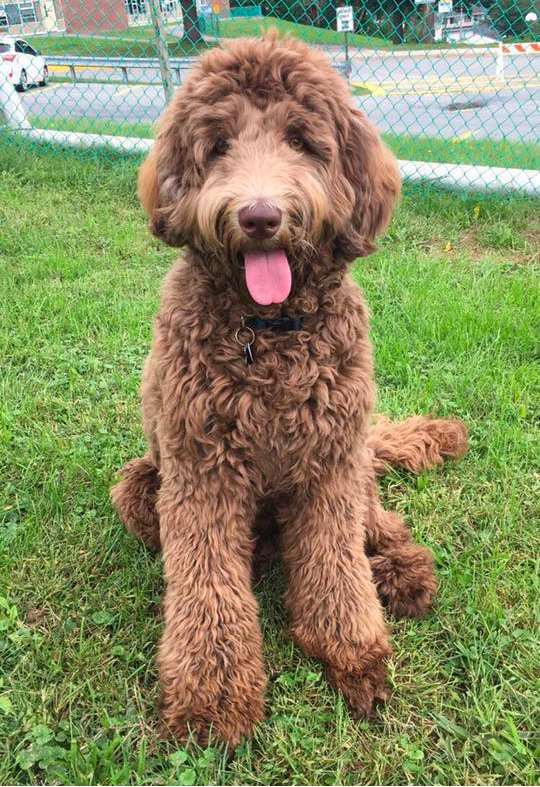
x: 147, y: 184
x: 167, y: 175
x: 149, y: 195
x: 372, y: 171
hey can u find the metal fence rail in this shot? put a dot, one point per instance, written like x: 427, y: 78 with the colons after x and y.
x: 124, y: 65
x: 454, y: 86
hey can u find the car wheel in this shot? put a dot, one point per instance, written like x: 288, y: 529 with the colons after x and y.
x: 23, y: 82
x: 45, y: 80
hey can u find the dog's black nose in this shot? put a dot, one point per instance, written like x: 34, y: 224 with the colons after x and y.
x: 260, y: 220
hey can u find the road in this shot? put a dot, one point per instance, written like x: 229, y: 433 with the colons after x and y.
x: 446, y: 96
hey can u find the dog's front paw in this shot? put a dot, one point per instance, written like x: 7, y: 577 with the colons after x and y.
x: 362, y: 686
x: 405, y: 579
x: 226, y: 718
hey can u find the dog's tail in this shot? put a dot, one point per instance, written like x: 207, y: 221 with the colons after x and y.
x: 416, y: 444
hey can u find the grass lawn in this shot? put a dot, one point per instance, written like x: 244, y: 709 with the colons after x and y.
x: 109, y: 47
x: 137, y: 41
x: 117, y: 128
x: 236, y: 28
x: 486, y: 152
x: 454, y: 296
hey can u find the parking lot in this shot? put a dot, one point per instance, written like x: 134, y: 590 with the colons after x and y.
x: 446, y: 95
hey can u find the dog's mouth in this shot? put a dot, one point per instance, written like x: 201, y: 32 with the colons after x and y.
x: 268, y: 275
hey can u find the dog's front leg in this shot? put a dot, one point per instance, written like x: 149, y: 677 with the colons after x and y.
x: 210, y: 661
x: 332, y: 602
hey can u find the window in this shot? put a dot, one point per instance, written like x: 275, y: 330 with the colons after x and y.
x: 19, y: 46
x: 17, y: 13
x: 28, y: 12
x: 136, y: 7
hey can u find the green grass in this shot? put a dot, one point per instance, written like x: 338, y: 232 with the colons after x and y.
x: 94, y: 126
x: 235, y: 28
x: 454, y: 294
x: 109, y: 47
x: 138, y: 41
x: 485, y: 152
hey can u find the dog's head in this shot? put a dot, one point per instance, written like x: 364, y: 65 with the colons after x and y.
x: 261, y: 161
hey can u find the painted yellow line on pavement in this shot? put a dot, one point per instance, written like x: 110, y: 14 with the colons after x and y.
x: 120, y: 92
x: 80, y: 67
x: 375, y: 88
x: 129, y: 88
x: 463, y: 78
x: 457, y: 86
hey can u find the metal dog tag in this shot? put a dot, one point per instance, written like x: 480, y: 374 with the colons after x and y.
x: 247, y: 352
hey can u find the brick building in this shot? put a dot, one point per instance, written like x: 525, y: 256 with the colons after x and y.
x: 93, y: 16
x: 24, y: 17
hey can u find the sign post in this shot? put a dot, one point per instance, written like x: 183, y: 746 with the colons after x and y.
x: 345, y: 25
x: 216, y: 8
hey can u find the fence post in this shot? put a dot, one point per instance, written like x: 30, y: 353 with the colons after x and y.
x: 162, y: 51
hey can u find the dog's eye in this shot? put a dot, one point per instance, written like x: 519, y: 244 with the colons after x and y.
x: 296, y: 143
x: 220, y: 147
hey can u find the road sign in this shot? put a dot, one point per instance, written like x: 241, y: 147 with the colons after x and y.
x: 345, y: 19
x: 445, y: 7
x: 216, y: 8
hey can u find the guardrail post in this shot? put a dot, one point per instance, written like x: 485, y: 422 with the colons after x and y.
x: 499, y: 71
x: 11, y: 107
x: 161, y: 47
x: 72, y: 72
x: 178, y: 75
x: 124, y: 74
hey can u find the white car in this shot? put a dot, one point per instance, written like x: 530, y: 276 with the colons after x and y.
x: 22, y: 64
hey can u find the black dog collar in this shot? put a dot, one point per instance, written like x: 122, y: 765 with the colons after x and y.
x: 245, y: 335
x: 276, y: 324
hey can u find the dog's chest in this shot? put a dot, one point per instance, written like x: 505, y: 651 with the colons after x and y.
x: 294, y: 408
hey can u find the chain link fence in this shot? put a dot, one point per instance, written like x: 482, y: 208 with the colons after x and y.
x: 453, y: 85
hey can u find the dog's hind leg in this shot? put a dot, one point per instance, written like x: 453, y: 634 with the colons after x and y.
x: 135, y: 499
x: 402, y: 570
x: 416, y: 444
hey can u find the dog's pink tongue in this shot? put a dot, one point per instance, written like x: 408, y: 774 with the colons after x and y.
x: 268, y: 276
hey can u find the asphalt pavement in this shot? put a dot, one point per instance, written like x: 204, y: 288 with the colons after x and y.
x: 446, y: 96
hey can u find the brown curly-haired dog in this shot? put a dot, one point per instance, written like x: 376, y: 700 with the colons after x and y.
x: 257, y: 393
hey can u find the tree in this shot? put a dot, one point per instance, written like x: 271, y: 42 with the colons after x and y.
x: 508, y: 16
x: 192, y: 32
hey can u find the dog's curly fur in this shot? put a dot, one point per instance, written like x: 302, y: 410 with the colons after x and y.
x: 242, y: 456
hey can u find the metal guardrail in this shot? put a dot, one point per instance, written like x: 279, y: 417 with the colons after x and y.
x: 124, y: 64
